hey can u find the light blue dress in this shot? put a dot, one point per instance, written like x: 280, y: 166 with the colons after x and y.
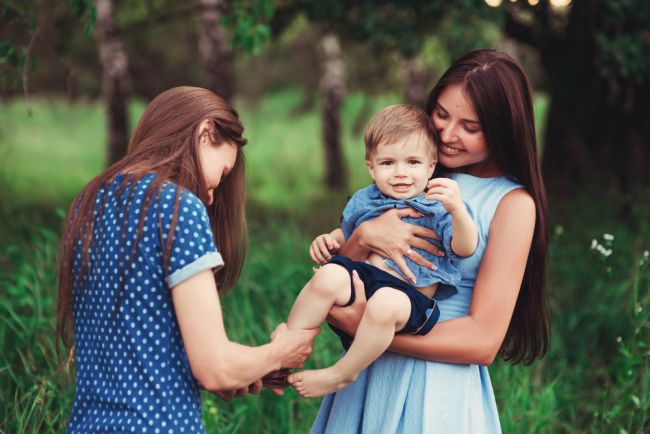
x: 399, y: 394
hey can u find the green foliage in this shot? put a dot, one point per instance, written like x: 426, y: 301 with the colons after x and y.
x: 248, y: 22
x: 591, y: 381
x: 19, y: 24
x: 31, y: 400
x: 399, y: 26
x: 85, y: 12
x: 623, y: 39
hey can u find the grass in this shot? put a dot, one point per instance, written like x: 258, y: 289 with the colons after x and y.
x: 595, y: 378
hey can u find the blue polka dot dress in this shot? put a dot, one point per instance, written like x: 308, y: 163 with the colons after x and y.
x: 132, y: 373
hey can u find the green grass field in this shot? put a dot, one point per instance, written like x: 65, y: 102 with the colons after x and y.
x: 596, y: 377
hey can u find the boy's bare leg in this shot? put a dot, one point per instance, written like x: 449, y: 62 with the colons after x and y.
x: 330, y: 286
x: 386, y: 312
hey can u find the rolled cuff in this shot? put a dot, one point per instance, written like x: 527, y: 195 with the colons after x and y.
x: 205, y: 262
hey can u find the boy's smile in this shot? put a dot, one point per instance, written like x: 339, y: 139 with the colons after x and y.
x: 401, y: 169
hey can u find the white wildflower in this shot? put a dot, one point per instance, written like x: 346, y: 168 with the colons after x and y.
x: 608, y: 237
x: 594, y: 243
x: 619, y: 339
x: 639, y: 308
x: 559, y: 230
x: 646, y: 253
x: 603, y: 250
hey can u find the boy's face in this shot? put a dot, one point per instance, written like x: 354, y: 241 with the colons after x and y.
x: 401, y: 169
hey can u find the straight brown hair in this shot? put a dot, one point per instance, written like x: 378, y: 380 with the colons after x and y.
x: 165, y: 143
x: 502, y: 99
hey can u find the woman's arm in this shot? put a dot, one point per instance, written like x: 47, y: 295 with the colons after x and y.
x: 390, y: 237
x: 216, y: 362
x: 476, y: 338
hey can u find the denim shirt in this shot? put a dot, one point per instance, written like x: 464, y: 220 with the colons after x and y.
x: 369, y: 203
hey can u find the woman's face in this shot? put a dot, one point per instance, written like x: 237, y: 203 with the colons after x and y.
x: 463, y: 141
x: 216, y: 162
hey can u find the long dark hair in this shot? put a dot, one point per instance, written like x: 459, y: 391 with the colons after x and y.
x: 502, y: 99
x: 165, y: 142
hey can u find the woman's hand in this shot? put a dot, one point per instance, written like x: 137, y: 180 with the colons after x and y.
x: 348, y: 318
x: 294, y: 346
x: 390, y: 237
x: 227, y: 395
x: 276, y: 381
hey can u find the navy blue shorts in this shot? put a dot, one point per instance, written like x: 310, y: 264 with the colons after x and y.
x: 424, y: 310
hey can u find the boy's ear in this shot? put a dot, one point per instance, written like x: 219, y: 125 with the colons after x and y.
x: 371, y: 169
x: 433, y: 168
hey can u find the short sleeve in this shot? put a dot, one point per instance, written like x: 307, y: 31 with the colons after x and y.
x: 193, y: 247
x: 352, y: 213
x: 444, y: 228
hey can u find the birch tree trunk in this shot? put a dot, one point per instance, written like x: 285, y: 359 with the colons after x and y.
x: 114, y: 80
x: 417, y: 81
x: 333, y: 87
x: 216, y: 56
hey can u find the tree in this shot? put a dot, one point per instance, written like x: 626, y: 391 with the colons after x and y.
x: 597, y: 59
x: 333, y: 87
x: 214, y: 47
x: 391, y: 26
x: 114, y: 80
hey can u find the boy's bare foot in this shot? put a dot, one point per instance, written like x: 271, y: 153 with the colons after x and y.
x: 318, y: 382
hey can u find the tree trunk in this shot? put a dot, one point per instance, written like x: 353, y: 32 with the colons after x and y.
x: 595, y: 131
x: 216, y: 56
x: 333, y: 87
x: 417, y: 81
x: 114, y: 80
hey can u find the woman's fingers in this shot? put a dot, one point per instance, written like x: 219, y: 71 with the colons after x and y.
x: 427, y: 246
x: 408, y: 212
x: 226, y: 395
x: 401, y: 263
x: 420, y: 232
x: 255, y: 387
x: 278, y: 329
x: 277, y: 390
x: 359, y: 288
x: 419, y: 259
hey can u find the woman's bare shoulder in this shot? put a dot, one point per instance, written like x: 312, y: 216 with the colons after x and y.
x: 517, y: 202
x: 515, y: 214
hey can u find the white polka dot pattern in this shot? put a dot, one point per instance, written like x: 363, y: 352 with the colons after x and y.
x: 131, y: 368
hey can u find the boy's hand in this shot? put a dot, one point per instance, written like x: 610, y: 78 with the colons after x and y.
x: 322, y: 247
x: 445, y: 191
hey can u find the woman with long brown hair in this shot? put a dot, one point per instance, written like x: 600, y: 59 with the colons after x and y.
x: 439, y: 383
x: 137, y: 291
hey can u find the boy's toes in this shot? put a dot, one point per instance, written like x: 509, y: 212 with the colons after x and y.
x: 294, y: 378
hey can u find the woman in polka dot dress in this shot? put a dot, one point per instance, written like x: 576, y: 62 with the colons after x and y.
x: 138, y: 288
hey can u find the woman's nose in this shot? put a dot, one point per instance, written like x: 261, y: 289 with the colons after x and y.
x: 448, y: 134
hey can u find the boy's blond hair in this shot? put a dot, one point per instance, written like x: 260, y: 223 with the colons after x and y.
x: 397, y: 121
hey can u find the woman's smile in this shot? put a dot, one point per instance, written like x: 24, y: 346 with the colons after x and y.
x: 448, y: 150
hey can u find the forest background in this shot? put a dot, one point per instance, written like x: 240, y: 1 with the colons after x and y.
x: 306, y: 76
